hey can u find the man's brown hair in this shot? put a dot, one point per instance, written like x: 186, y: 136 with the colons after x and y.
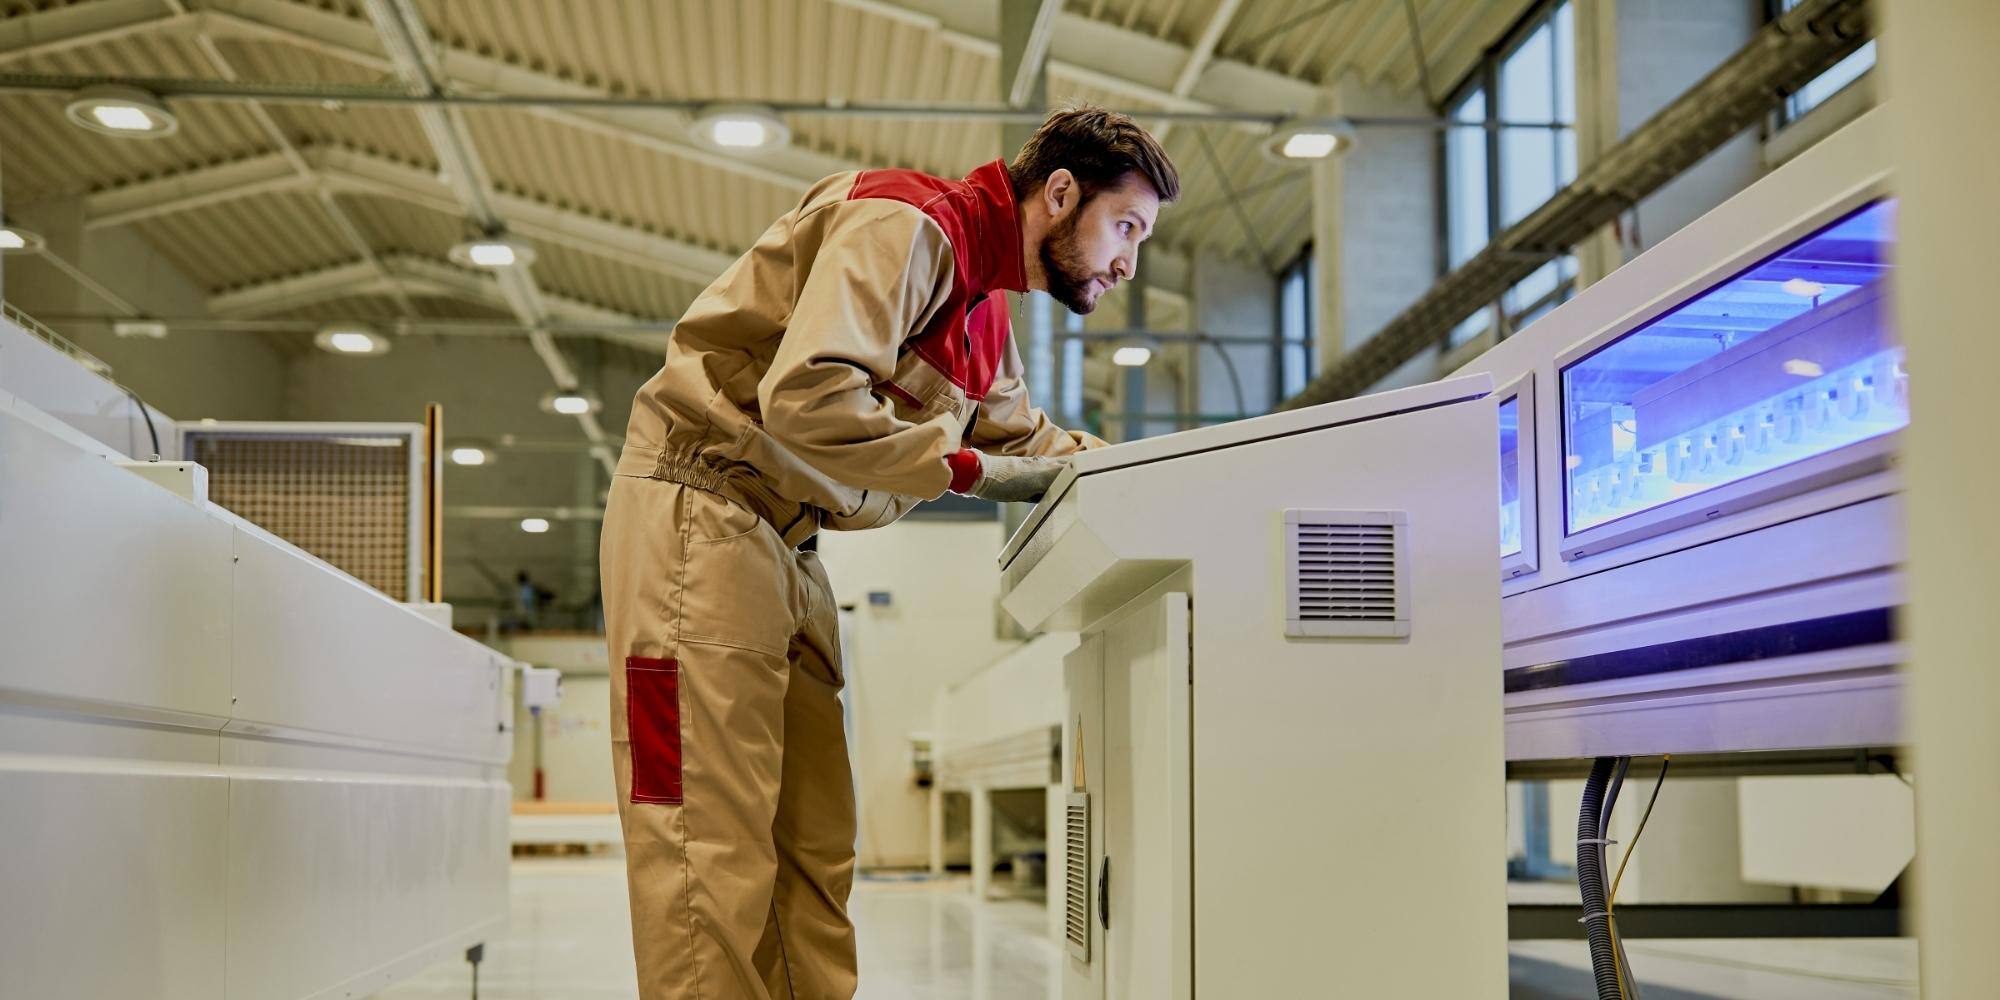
x: 1097, y: 146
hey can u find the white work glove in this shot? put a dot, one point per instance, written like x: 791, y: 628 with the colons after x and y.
x: 1016, y: 480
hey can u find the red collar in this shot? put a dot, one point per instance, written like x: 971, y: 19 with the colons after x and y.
x: 995, y: 230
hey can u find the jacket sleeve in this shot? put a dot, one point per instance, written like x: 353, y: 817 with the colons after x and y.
x: 873, y: 272
x: 1008, y: 425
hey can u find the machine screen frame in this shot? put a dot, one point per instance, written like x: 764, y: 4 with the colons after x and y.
x: 1845, y: 463
x: 1521, y: 391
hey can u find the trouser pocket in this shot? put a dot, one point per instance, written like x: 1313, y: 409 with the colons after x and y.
x: 653, y: 720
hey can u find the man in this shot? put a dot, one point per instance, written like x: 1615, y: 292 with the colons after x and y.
x: 856, y: 361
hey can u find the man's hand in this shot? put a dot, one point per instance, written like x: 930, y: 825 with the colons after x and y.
x: 1016, y: 480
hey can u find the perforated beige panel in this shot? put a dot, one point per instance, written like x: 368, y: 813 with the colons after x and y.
x: 345, y: 499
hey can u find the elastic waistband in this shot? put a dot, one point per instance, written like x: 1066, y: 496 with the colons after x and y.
x: 793, y: 521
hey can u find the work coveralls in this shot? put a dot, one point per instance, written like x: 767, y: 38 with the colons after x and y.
x: 833, y: 376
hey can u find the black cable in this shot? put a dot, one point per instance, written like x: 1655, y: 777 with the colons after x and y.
x: 151, y: 431
x: 1590, y: 880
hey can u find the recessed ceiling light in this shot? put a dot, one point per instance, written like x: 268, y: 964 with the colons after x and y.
x: 570, y: 402
x: 741, y: 127
x: 1803, y: 368
x: 494, y: 251
x: 15, y: 240
x: 126, y: 112
x: 1314, y: 139
x: 350, y: 339
x: 1131, y: 357
x: 470, y: 453
x: 534, y: 525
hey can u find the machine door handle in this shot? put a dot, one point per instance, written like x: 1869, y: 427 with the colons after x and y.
x: 1104, y: 895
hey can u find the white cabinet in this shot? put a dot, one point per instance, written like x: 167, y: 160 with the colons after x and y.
x: 1273, y: 814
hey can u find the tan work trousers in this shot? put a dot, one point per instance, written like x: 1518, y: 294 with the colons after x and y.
x: 728, y: 745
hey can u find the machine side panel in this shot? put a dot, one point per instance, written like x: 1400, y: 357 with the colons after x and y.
x: 1147, y: 802
x: 1332, y: 771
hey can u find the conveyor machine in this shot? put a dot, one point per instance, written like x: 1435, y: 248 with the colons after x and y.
x: 1701, y: 529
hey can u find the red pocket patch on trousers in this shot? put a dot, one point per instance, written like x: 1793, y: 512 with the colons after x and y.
x: 653, y: 719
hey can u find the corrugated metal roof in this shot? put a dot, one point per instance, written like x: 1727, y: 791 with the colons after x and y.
x: 748, y: 50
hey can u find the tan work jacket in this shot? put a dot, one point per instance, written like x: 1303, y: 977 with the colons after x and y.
x: 824, y: 378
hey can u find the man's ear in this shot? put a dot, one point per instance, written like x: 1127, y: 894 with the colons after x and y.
x: 1059, y: 192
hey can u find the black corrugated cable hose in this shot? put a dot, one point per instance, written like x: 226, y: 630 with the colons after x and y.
x: 1590, y: 880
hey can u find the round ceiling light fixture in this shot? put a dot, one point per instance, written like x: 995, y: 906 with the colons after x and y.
x: 350, y: 339
x: 1309, y: 139
x: 571, y: 402
x: 740, y: 128
x: 471, y: 453
x: 125, y: 112
x: 535, y: 525
x: 15, y: 240
x: 493, y: 251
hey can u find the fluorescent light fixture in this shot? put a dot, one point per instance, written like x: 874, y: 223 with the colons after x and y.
x: 493, y: 251
x: 1803, y: 368
x: 150, y: 328
x: 570, y: 402
x: 125, y: 112
x: 470, y: 454
x: 1309, y: 139
x: 1803, y: 289
x: 1132, y: 356
x: 534, y: 525
x: 15, y: 240
x: 741, y: 127
x: 350, y: 339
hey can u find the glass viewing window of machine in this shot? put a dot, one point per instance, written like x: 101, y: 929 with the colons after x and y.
x: 1794, y: 358
x: 1510, y: 477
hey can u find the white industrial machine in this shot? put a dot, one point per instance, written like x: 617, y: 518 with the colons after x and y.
x: 1283, y: 730
x: 1701, y: 529
x: 227, y: 769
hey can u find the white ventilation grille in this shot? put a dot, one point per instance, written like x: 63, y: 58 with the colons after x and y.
x: 1346, y: 573
x: 1076, y: 877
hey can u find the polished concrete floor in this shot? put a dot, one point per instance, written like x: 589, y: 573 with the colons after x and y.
x: 924, y: 940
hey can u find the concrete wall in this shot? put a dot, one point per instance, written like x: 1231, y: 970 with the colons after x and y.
x: 937, y: 629
x: 1235, y: 299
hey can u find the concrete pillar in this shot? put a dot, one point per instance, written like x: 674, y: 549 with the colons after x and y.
x: 936, y: 829
x: 1941, y: 75
x: 1596, y: 120
x: 1375, y: 222
x: 982, y: 842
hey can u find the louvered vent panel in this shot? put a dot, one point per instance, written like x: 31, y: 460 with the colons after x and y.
x: 1344, y: 573
x: 1076, y: 878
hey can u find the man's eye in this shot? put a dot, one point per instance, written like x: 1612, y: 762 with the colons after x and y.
x: 1125, y: 228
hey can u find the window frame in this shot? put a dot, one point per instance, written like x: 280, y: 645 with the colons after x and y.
x: 1485, y: 76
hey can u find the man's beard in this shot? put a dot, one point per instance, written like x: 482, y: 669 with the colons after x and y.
x: 1064, y: 268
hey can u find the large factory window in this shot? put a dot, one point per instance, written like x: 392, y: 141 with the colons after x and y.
x: 1791, y: 360
x: 1827, y: 84
x: 1297, y: 325
x: 1495, y: 176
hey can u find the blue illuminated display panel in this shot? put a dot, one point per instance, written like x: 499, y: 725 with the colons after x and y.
x: 1510, y: 477
x: 1793, y: 358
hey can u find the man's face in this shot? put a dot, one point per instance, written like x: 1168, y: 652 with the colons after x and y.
x: 1094, y: 243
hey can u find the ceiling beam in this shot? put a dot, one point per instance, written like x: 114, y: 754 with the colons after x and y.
x: 407, y: 40
x: 1204, y: 46
x: 60, y: 29
x: 418, y: 274
x: 354, y: 41
x: 1108, y: 57
x: 1034, y: 51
